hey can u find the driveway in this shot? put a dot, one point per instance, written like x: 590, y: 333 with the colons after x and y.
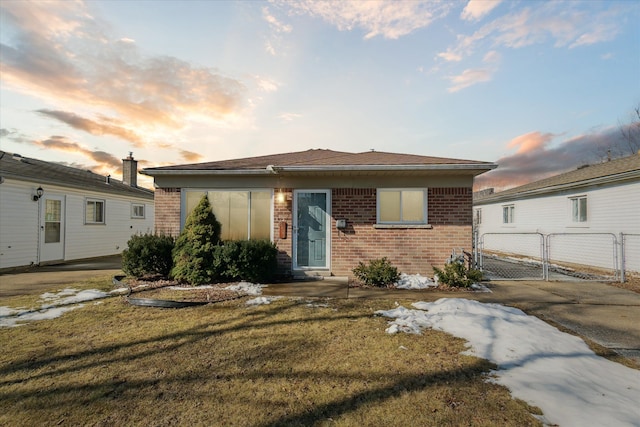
x: 36, y: 280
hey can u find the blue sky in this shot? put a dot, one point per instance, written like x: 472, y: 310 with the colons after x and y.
x: 538, y: 87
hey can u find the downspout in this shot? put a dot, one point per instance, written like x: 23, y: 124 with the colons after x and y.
x: 39, y: 231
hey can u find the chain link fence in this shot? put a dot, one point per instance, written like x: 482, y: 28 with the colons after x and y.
x: 557, y: 256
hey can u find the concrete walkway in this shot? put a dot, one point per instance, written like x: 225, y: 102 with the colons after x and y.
x: 604, y: 314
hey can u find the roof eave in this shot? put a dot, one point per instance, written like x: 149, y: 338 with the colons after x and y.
x: 497, y: 197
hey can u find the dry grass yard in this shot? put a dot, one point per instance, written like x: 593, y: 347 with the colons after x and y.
x: 293, y: 362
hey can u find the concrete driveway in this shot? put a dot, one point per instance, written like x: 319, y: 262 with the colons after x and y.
x: 36, y: 280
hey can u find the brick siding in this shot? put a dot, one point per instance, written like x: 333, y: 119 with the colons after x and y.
x: 412, y: 250
x: 167, y: 211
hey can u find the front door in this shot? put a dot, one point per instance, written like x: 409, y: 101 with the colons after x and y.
x: 52, y: 228
x: 311, y: 236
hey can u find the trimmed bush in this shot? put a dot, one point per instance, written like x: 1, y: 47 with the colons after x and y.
x: 378, y: 273
x: 193, y: 254
x: 250, y: 260
x: 148, y: 254
x: 455, y: 274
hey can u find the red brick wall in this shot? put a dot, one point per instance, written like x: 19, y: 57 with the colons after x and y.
x: 167, y: 211
x: 412, y: 250
x: 282, y: 213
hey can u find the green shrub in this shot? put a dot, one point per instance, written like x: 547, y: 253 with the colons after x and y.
x: 456, y: 274
x: 193, y: 254
x: 148, y: 254
x: 250, y: 260
x: 379, y: 273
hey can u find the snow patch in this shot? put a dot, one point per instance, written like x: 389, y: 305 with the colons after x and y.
x: 415, y: 281
x: 538, y: 363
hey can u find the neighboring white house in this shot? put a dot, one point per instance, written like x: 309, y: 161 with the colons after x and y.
x: 584, y: 211
x: 51, y: 213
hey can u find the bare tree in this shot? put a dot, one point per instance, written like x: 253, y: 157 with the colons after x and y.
x: 631, y: 133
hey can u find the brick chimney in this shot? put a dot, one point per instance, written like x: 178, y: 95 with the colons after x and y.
x: 130, y: 171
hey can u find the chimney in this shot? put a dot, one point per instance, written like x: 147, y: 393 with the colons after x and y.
x: 130, y: 171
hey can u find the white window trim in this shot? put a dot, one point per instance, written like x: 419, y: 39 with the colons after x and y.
x: 511, y: 215
x: 183, y: 203
x: 578, y: 224
x: 104, y: 211
x: 133, y: 211
x: 394, y: 224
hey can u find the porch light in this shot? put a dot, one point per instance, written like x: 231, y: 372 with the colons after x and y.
x: 38, y: 195
x: 280, y: 196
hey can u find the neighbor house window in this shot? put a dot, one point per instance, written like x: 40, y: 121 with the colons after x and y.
x: 400, y: 206
x: 508, y: 214
x: 579, y: 209
x: 137, y: 211
x: 243, y: 214
x: 94, y: 212
x: 478, y: 217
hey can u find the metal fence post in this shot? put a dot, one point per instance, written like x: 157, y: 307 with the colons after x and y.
x: 622, y: 259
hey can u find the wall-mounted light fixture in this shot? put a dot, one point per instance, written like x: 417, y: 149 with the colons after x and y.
x: 38, y: 195
x: 280, y: 198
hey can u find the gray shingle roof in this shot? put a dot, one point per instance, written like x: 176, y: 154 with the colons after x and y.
x: 615, y: 170
x: 38, y: 171
x: 321, y: 158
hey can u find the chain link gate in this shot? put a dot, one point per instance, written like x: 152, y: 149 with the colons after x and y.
x: 511, y: 256
x: 555, y: 256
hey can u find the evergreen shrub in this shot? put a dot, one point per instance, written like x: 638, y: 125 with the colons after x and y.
x: 456, y: 274
x: 193, y: 254
x: 148, y: 254
x: 379, y: 272
x: 250, y: 260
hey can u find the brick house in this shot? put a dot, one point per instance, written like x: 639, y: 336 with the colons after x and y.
x: 327, y: 210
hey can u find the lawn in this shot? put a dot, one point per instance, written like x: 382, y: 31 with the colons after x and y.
x: 293, y: 362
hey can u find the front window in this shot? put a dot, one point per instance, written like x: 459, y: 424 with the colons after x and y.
x: 579, y: 209
x: 94, y: 212
x: 242, y: 214
x: 508, y: 214
x: 399, y: 206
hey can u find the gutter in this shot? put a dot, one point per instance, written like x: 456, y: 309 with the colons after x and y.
x: 271, y: 169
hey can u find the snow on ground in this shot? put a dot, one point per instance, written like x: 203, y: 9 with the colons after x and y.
x: 415, y: 281
x: 539, y: 364
x: 54, y: 305
x: 247, y: 288
x: 262, y: 300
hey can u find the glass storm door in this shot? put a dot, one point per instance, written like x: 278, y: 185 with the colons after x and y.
x: 311, y: 233
x: 52, y: 228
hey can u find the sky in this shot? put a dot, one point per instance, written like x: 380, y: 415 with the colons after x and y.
x: 541, y: 365
x: 536, y: 87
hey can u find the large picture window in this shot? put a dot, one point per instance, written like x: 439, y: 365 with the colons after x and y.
x: 242, y: 214
x: 94, y: 211
x: 402, y: 206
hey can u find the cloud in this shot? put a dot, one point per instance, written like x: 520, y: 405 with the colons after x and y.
x: 60, y: 52
x: 470, y: 77
x: 537, y: 158
x: 93, y: 127
x: 287, y: 117
x: 564, y: 24
x: 477, y: 9
x: 62, y: 143
x: 389, y: 19
x: 190, y: 156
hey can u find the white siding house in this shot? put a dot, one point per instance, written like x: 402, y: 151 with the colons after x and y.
x: 585, y: 211
x: 51, y: 213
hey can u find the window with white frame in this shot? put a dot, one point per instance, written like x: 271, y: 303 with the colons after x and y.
x: 402, y: 206
x: 478, y: 217
x: 508, y: 212
x: 243, y: 214
x: 137, y: 211
x: 578, y: 209
x: 94, y: 211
